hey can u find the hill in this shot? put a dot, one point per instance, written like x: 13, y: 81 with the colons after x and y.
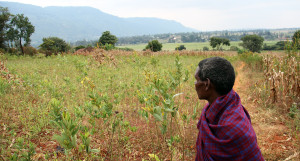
x: 78, y: 23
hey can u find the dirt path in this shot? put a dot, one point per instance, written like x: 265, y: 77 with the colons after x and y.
x: 237, y: 83
x: 274, y: 137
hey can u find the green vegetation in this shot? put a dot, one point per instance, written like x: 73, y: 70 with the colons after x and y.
x: 72, y: 96
x: 252, y: 43
x: 280, y: 45
x: 4, y: 19
x: 296, y: 39
x: 154, y: 46
x: 20, y: 30
x: 218, y: 42
x: 72, y: 107
x: 114, y: 104
x: 181, y: 47
x: 54, y: 45
x: 189, y: 46
x: 107, y: 38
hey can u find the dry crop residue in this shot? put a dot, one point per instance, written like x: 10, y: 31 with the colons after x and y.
x: 274, y: 137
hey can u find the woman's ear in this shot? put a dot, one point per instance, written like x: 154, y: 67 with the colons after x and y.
x: 207, y: 84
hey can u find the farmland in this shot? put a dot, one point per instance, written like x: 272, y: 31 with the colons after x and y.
x: 189, y: 46
x: 105, y: 105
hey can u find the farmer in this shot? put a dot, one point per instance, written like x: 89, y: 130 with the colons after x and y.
x: 225, y: 130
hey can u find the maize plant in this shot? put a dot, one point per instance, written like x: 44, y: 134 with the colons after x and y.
x: 282, y: 79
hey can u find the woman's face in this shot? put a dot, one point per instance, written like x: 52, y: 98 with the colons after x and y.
x: 200, y: 86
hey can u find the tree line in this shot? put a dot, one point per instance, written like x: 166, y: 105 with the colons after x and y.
x: 16, y: 30
x: 269, y: 35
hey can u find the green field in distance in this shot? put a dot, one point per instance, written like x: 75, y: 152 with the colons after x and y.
x: 189, y: 46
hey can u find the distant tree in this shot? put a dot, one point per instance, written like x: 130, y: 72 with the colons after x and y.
x: 154, y: 46
x: 4, y: 25
x: 280, y: 45
x: 205, y: 48
x: 233, y: 48
x: 218, y: 42
x: 267, y: 47
x: 107, y: 38
x: 184, y: 38
x: 181, y: 47
x: 54, y: 45
x: 79, y: 47
x: 253, y: 43
x: 296, y: 39
x: 20, y: 29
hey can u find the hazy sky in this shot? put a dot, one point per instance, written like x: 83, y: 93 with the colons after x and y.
x: 204, y: 15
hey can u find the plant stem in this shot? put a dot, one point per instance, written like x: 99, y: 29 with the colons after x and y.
x: 171, y: 140
x: 111, y: 138
x: 183, y: 139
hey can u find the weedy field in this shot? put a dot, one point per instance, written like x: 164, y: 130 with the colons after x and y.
x: 117, y: 105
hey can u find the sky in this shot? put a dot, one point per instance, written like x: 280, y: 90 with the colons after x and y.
x: 203, y: 15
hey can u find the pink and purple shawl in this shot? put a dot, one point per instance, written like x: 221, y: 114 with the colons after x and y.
x: 225, y: 131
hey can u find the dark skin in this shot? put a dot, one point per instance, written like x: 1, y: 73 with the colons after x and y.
x: 205, y: 89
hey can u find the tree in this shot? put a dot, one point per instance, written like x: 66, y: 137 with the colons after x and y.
x: 253, y: 43
x: 181, y: 47
x: 218, y: 42
x: 296, y: 39
x: 154, y: 45
x: 205, y: 48
x: 20, y: 29
x: 4, y: 19
x: 278, y: 46
x: 54, y: 45
x: 107, y: 38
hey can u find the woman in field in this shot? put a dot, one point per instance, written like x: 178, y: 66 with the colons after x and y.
x: 225, y: 130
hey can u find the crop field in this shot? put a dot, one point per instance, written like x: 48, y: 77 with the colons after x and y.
x: 117, y: 105
x: 189, y: 46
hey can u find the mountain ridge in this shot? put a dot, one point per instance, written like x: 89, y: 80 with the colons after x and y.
x: 73, y: 23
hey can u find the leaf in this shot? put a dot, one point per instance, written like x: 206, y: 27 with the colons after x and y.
x: 178, y: 94
x: 167, y: 101
x: 95, y: 150
x: 169, y: 110
x: 154, y: 156
x: 157, y: 117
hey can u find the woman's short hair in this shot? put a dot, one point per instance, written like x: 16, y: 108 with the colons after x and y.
x: 219, y: 71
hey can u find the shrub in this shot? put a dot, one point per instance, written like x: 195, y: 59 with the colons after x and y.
x: 233, y: 48
x: 181, y: 47
x: 108, y: 47
x: 2, y: 50
x: 154, y: 46
x: 12, y: 50
x: 205, y: 48
x: 241, y: 51
x: 54, y: 45
x: 278, y: 46
x: 107, y: 38
x: 79, y: 47
x: 296, y: 39
x: 29, y: 50
x: 126, y: 49
x: 253, y: 60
